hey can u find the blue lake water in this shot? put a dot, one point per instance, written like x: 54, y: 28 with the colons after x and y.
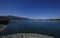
x: 33, y: 26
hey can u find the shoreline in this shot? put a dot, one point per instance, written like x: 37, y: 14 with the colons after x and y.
x: 3, y: 27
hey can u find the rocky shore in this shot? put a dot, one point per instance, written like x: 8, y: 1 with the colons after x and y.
x: 26, y: 35
x: 2, y: 27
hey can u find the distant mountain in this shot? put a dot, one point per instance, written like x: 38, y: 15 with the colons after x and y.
x: 50, y: 20
x: 54, y: 19
x: 12, y: 18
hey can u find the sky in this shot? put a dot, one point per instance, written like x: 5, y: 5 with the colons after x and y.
x: 36, y: 9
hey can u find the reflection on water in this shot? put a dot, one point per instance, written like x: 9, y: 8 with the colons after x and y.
x: 33, y: 26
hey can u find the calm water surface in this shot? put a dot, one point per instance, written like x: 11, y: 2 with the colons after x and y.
x: 33, y: 26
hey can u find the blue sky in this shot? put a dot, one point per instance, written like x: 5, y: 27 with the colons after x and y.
x: 31, y: 8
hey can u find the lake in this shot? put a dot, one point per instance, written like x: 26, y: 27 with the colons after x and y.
x: 33, y: 26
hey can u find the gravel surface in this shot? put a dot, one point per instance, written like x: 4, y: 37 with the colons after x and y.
x: 26, y: 35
